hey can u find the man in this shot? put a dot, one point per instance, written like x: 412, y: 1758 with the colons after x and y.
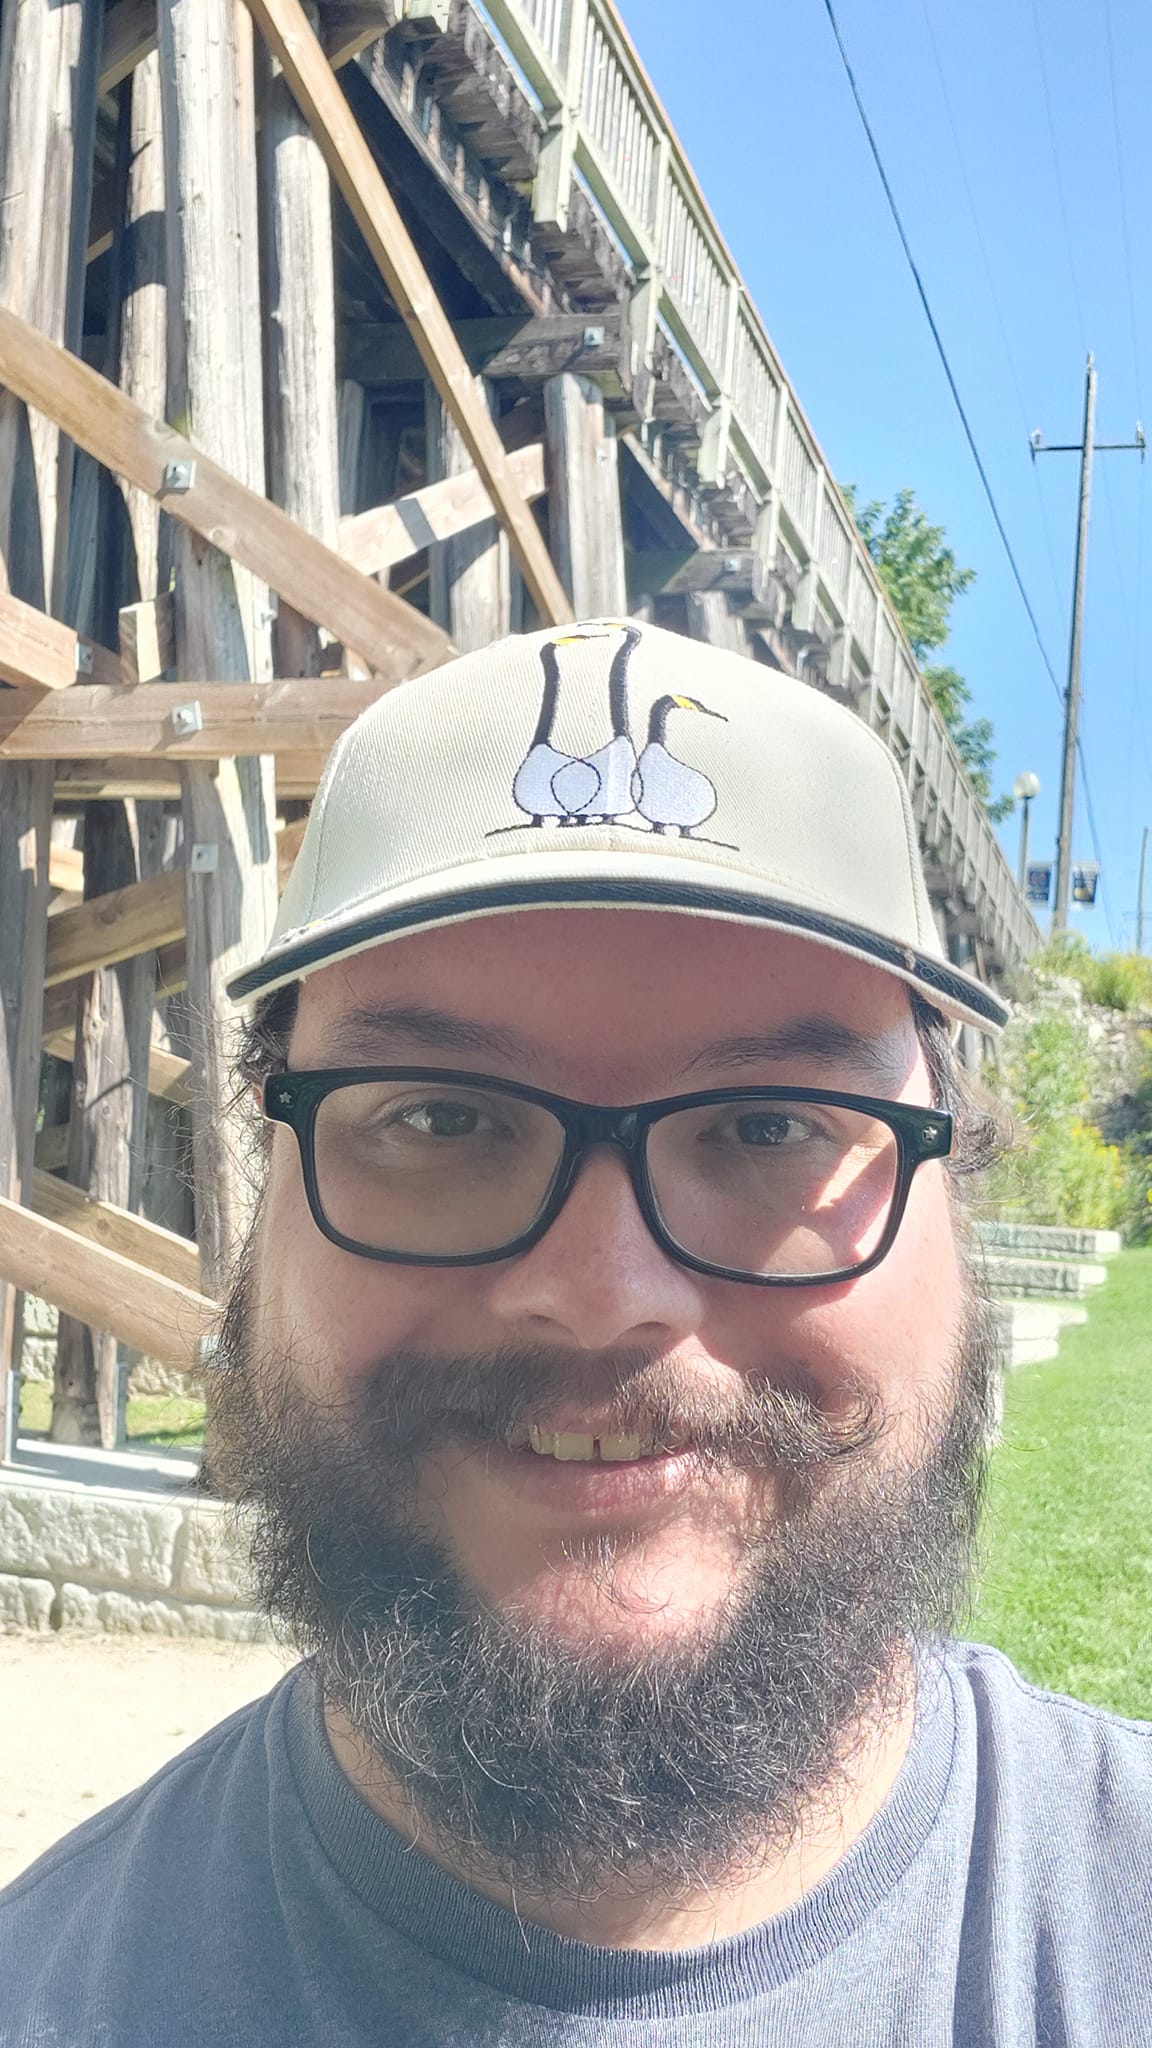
x: 608, y: 1384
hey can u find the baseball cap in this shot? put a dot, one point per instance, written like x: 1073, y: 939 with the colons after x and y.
x: 613, y: 763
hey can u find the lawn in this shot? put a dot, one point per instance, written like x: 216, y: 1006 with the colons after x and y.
x: 165, y: 1419
x: 1066, y: 1583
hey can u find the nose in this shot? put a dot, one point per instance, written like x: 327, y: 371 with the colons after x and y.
x: 598, y: 1277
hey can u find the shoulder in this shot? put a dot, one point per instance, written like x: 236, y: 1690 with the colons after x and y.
x: 133, y: 1835
x: 1044, y: 1753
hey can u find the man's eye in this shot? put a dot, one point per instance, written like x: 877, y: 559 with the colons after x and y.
x: 768, y: 1127
x: 443, y: 1119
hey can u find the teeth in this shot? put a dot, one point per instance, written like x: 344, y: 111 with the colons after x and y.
x: 571, y: 1447
x: 619, y: 1449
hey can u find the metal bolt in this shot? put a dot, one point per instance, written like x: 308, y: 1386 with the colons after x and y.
x: 593, y: 337
x: 179, y: 476
x: 187, y: 719
x: 204, y: 859
x: 83, y: 658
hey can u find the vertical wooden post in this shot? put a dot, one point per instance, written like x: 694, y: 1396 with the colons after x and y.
x: 709, y: 619
x: 108, y: 1131
x: 470, y: 578
x: 49, y: 51
x: 221, y: 612
x: 300, y: 298
x: 584, y: 496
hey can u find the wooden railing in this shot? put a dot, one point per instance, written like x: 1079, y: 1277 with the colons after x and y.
x: 606, y: 127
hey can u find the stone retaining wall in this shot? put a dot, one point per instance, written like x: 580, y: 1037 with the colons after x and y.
x: 101, y: 1558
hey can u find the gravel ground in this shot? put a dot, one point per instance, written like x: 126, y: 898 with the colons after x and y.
x: 87, y: 1718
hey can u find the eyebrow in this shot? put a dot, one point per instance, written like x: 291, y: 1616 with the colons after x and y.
x: 815, y: 1039
x: 357, y: 1034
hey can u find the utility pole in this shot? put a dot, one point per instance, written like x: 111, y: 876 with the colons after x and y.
x: 1085, y: 448
x: 1140, y: 893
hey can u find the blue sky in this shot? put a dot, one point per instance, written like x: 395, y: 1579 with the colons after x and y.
x: 996, y: 124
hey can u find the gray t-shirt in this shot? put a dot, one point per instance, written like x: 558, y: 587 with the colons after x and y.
x: 1001, y: 1898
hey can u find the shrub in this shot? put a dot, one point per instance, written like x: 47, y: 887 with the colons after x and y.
x: 1062, y: 1171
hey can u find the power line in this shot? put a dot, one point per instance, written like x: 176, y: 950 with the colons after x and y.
x: 1123, y: 200
x: 992, y: 292
x: 940, y: 348
x: 959, y: 403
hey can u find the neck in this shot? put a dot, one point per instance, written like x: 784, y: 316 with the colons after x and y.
x: 620, y: 1916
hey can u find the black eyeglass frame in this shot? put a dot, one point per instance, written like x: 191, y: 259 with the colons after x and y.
x: 294, y: 1098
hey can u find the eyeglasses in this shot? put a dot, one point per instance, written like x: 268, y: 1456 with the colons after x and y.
x: 776, y: 1187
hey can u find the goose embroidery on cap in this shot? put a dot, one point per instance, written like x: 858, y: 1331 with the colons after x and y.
x: 611, y: 784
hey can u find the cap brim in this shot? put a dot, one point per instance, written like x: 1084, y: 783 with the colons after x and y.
x: 590, y: 881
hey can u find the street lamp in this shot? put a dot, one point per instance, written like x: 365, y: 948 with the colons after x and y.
x: 1024, y: 788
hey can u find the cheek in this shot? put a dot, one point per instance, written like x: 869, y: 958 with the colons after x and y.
x: 335, y: 1314
x: 898, y: 1326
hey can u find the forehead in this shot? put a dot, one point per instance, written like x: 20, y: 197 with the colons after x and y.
x: 628, y: 988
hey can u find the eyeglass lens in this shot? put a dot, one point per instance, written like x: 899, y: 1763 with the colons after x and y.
x: 771, y: 1189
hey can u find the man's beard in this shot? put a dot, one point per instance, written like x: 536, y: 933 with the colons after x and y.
x: 561, y: 1773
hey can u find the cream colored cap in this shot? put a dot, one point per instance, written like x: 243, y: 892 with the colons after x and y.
x: 613, y: 763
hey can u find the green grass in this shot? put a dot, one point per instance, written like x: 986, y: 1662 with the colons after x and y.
x: 1066, y: 1580
x: 166, y: 1419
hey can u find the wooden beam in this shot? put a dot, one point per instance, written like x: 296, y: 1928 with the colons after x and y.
x: 389, y: 534
x: 59, y: 1011
x: 129, y: 37
x: 49, y: 57
x: 349, y: 26
x: 158, y: 780
x: 295, y: 194
x: 103, y: 1288
x: 396, y: 640
x: 114, y: 927
x: 169, y: 1077
x: 147, y: 638
x: 472, y: 585
x: 38, y: 652
x: 118, y: 1230
x: 66, y: 869
x: 297, y: 716
x: 312, y: 80
x: 596, y: 345
x: 584, y: 496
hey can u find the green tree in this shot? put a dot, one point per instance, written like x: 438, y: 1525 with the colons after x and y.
x: 923, y: 579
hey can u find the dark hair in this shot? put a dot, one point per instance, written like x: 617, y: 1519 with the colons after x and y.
x: 981, y: 1127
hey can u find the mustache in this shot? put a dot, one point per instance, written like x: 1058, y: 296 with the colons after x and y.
x: 413, y: 1403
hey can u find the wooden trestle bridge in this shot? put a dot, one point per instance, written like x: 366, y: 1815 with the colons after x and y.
x: 334, y: 337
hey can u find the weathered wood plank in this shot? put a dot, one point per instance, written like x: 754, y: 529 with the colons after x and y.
x: 59, y: 1011
x: 129, y: 37
x: 295, y: 716
x: 297, y: 775
x: 48, y: 61
x: 118, y: 1230
x: 388, y: 534
x: 313, y: 82
x: 36, y: 652
x: 114, y: 927
x: 238, y: 521
x: 147, y: 638
x: 469, y: 576
x: 584, y: 496
x: 595, y: 345
x: 103, y: 1288
x: 108, y: 1121
x: 300, y: 338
